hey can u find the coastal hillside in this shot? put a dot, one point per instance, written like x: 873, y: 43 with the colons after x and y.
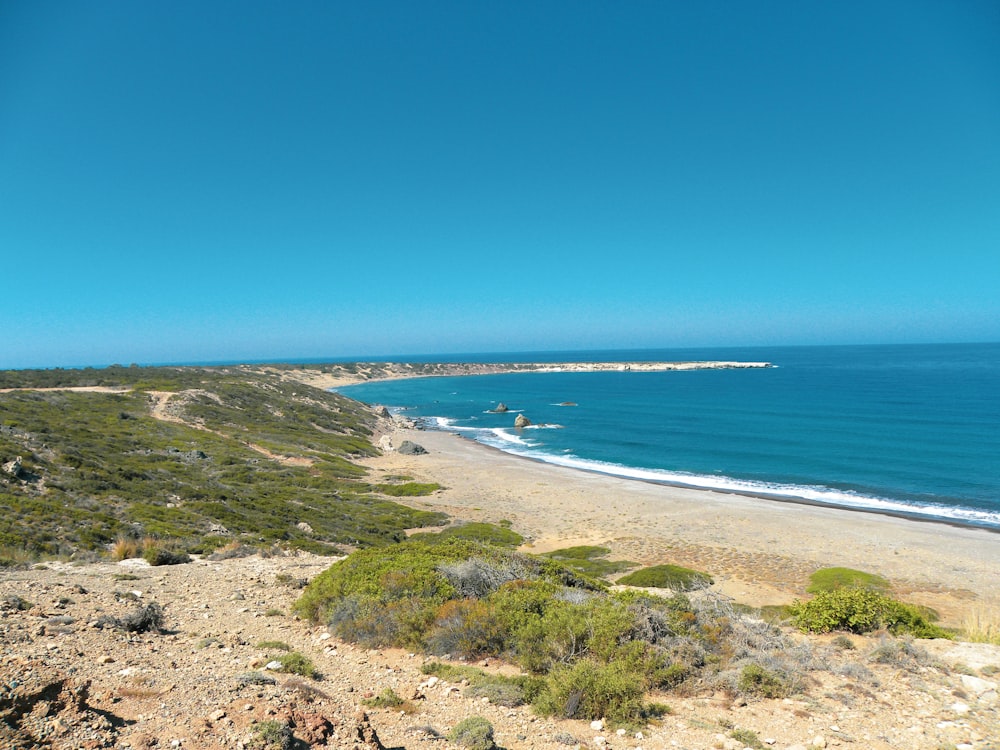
x: 475, y: 637
x: 193, y: 457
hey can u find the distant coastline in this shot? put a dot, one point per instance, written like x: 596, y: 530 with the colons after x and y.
x: 352, y: 373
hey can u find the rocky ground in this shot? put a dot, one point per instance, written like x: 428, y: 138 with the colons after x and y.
x: 71, y: 677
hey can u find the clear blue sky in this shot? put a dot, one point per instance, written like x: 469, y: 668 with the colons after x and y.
x: 185, y: 181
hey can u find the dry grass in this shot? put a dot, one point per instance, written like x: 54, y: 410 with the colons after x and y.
x: 982, y: 624
x: 125, y: 548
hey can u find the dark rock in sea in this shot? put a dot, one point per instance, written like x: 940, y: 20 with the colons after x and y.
x: 521, y: 421
x: 501, y: 408
x: 409, y: 448
x: 568, y: 403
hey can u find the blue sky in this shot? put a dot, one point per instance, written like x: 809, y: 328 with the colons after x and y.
x: 192, y: 181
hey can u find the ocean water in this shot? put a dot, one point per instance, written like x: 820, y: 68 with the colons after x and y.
x: 909, y: 429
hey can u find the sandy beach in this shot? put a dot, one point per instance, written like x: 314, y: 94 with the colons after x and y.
x: 759, y: 551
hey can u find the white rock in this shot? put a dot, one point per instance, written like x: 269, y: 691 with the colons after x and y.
x: 819, y: 741
x: 597, y: 725
x: 600, y: 739
x: 273, y: 665
x: 977, y: 685
x: 960, y: 708
x: 621, y: 732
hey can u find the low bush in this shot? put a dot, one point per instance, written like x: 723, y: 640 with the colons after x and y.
x: 588, y: 689
x: 274, y: 646
x: 140, y: 620
x: 748, y: 738
x: 474, y: 733
x: 163, y: 556
x: 899, y: 653
x: 386, y: 699
x: 672, y: 577
x: 271, y: 735
x: 758, y: 681
x: 298, y: 663
x: 862, y: 610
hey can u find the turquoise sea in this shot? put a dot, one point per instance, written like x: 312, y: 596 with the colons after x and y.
x: 907, y: 429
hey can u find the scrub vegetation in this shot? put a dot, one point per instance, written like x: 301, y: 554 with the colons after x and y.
x: 586, y: 651
x: 196, y: 458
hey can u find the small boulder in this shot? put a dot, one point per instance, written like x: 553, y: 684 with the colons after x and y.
x: 408, y: 448
x: 14, y: 468
x: 501, y: 408
x: 521, y: 421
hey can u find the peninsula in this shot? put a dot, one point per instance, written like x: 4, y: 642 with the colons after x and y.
x: 340, y: 374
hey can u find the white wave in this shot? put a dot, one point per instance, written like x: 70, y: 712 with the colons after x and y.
x: 514, y: 444
x: 546, y: 426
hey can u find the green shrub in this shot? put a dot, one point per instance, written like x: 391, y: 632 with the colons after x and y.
x: 163, y: 556
x: 386, y: 699
x: 587, y: 689
x: 297, y: 663
x: 748, y: 737
x: 828, y: 579
x: 843, y: 643
x: 861, y: 610
x: 484, y: 533
x: 474, y: 733
x: 672, y: 577
x: 271, y: 735
x: 755, y: 680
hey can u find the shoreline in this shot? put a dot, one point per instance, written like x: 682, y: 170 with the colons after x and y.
x: 765, y: 496
x: 760, y: 552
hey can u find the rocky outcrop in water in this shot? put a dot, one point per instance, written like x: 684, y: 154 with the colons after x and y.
x: 521, y: 421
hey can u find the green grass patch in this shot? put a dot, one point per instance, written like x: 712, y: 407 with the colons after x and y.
x: 274, y: 646
x: 484, y: 533
x: 408, y: 489
x: 828, y: 579
x: 672, y: 577
x: 589, y: 560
